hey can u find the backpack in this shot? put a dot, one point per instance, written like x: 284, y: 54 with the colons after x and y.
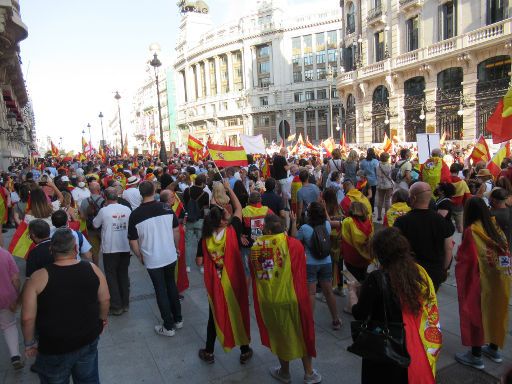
x: 396, y: 174
x: 92, y: 211
x: 320, y: 242
x: 192, y: 209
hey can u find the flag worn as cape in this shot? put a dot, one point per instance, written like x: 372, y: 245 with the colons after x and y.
x: 355, y: 238
x: 226, y: 156
x: 224, y: 278
x: 494, y: 166
x: 480, y: 151
x: 355, y: 195
x: 180, y: 272
x: 281, y: 300
x: 483, y: 287
x: 435, y: 171
x: 296, y: 185
x: 4, y: 210
x: 21, y: 243
x: 462, y: 192
x: 423, y: 336
x: 395, y: 211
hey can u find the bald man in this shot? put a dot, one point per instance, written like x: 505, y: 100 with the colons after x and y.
x: 429, y: 234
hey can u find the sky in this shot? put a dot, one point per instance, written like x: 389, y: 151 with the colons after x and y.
x: 78, y: 53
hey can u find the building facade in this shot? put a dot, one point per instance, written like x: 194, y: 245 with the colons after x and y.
x: 415, y: 65
x: 17, y: 125
x: 271, y: 72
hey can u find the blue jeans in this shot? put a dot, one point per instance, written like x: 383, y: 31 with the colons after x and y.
x: 192, y: 236
x: 82, y: 365
x: 166, y: 294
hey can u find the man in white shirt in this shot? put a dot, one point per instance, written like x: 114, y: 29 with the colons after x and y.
x: 113, y: 221
x: 81, y: 192
x: 60, y: 220
x: 132, y: 194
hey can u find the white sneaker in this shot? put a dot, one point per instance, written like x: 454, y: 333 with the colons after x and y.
x: 188, y: 269
x: 161, y: 330
x: 314, y: 378
x: 179, y: 324
x: 201, y: 270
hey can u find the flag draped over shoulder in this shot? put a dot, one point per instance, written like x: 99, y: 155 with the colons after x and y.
x: 394, y: 212
x: 480, y: 151
x: 355, y: 236
x: 21, y: 243
x: 355, y: 195
x: 224, y: 278
x: 296, y: 185
x: 281, y: 301
x: 494, y: 166
x: 195, y: 147
x: 435, y: 171
x: 423, y: 336
x: 227, y: 156
x: 483, y: 287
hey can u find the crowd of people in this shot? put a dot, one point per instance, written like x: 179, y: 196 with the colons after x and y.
x: 290, y: 231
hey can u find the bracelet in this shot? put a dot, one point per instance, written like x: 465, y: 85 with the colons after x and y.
x: 31, y: 343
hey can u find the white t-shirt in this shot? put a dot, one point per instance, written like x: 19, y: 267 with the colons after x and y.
x: 132, y: 195
x: 80, y: 194
x: 113, y: 220
x: 84, y: 248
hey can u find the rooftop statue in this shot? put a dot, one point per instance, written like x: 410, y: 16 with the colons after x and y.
x: 198, y: 6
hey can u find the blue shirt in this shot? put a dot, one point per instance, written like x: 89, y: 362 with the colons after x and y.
x: 305, y: 235
x: 370, y: 169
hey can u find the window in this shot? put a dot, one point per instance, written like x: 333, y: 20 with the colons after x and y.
x: 308, y: 59
x: 225, y: 105
x: 263, y: 51
x: 265, y: 121
x: 496, y: 10
x: 321, y: 94
x: 263, y: 101
x: 332, y: 40
x: 264, y: 82
x: 412, y: 33
x: 379, y: 46
x: 448, y: 20
x: 263, y: 67
x: 348, y: 58
x: 297, y: 76
x: 320, y: 42
x: 298, y: 97
x: 332, y: 55
x: 321, y: 74
x: 310, y: 95
x: 308, y: 75
x: 351, y: 18
x: 308, y: 43
x: 296, y: 47
x: 334, y: 93
x: 320, y: 58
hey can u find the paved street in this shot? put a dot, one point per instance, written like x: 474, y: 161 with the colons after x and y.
x: 131, y: 352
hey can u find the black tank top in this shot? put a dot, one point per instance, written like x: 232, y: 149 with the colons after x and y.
x: 68, y: 309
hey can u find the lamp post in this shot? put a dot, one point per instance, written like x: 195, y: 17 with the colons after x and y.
x: 329, y: 79
x: 90, y: 137
x: 156, y: 63
x: 83, y: 146
x: 102, y: 135
x: 117, y: 96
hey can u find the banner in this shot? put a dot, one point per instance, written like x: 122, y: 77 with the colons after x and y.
x: 253, y: 144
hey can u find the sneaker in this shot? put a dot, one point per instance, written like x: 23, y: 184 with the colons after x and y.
x: 178, y: 324
x: 161, y: 330
x: 16, y: 362
x: 181, y: 297
x: 115, y: 312
x: 126, y: 309
x: 467, y: 358
x: 208, y: 358
x: 314, y: 378
x: 492, y: 354
x: 188, y: 269
x: 275, y: 372
x: 336, y: 325
x: 201, y: 270
x: 245, y: 357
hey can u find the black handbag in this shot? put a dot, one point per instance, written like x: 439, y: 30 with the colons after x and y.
x: 377, y: 341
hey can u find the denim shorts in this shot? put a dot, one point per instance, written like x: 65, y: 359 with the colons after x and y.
x: 320, y: 273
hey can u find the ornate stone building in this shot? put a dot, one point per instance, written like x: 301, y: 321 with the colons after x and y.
x: 411, y: 64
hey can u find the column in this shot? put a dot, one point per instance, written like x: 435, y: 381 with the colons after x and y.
x: 254, y: 67
x: 217, y: 73
x: 207, y: 76
x: 230, y: 72
x: 189, y: 84
x: 430, y: 101
x: 469, y: 91
x: 198, y: 81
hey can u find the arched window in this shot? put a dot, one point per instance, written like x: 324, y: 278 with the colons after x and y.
x: 380, y: 104
x: 449, y: 87
x: 350, y: 120
x: 413, y: 106
x: 351, y: 18
x: 492, y: 85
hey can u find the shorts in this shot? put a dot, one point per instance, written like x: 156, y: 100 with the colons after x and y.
x: 320, y: 273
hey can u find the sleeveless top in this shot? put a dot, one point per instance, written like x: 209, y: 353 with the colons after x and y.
x: 68, y: 312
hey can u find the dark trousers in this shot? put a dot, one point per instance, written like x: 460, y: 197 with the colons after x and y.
x: 359, y: 273
x: 166, y: 294
x: 116, y: 272
x: 372, y: 200
x: 211, y: 335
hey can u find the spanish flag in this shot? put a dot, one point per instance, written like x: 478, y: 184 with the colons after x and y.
x: 55, y: 149
x: 500, y: 122
x: 480, y: 151
x: 265, y: 168
x: 296, y: 185
x: 482, y: 273
x: 281, y: 300
x: 435, y: 171
x: 4, y: 210
x: 386, y: 143
x: 394, y: 212
x: 21, y: 243
x: 355, y: 237
x: 224, y: 278
x: 355, y: 195
x: 328, y: 146
x: 343, y: 141
x: 494, y: 166
x: 195, y: 148
x: 226, y: 156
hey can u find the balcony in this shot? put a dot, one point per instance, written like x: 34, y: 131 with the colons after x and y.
x: 376, y: 16
x: 409, y: 5
x: 345, y: 78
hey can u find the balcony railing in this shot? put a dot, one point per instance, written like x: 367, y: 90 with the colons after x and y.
x: 405, y: 4
x: 374, y: 13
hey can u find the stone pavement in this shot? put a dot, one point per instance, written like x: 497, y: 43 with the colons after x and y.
x: 131, y: 352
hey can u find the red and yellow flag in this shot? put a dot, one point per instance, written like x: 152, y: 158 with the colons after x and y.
x: 55, y: 149
x: 482, y: 273
x: 265, y: 168
x: 355, y: 195
x: 281, y: 304
x: 253, y: 217
x: 226, y: 156
x: 386, y: 143
x: 195, y: 148
x: 355, y: 239
x: 4, y: 210
x: 435, y: 171
x: 328, y: 145
x: 394, y: 212
x: 500, y: 122
x: 296, y: 185
x: 343, y: 141
x: 224, y: 278
x: 494, y: 166
x: 180, y: 272
x: 21, y: 243
x: 480, y: 151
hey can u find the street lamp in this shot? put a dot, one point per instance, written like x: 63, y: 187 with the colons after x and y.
x: 102, y: 135
x: 117, y: 96
x: 330, y: 76
x: 90, y: 137
x: 156, y: 63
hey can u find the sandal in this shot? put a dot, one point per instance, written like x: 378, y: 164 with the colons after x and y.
x: 336, y: 325
x: 208, y: 358
x: 245, y: 357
